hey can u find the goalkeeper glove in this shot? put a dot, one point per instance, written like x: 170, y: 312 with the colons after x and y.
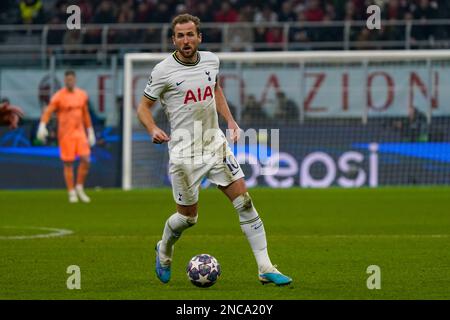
x: 42, y: 132
x: 91, y: 136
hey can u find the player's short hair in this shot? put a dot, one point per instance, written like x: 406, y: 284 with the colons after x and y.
x: 184, y: 18
x: 70, y: 73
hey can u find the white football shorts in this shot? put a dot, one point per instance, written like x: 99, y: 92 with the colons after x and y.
x: 187, y: 177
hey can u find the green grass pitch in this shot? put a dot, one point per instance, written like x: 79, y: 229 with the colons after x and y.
x: 323, y: 239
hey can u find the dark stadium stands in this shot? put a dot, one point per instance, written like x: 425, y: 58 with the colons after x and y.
x: 37, y: 28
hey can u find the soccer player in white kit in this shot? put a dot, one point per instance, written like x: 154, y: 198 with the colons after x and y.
x: 186, y: 84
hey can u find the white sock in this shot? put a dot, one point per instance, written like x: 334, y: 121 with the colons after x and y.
x: 253, y: 228
x: 173, y: 228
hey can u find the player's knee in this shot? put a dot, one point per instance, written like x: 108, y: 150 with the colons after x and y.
x: 247, y: 201
x: 86, y: 160
x: 68, y: 164
x: 244, y: 201
x: 192, y: 220
x: 244, y: 207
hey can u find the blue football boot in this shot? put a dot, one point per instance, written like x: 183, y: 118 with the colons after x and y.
x: 162, y: 272
x: 274, y: 276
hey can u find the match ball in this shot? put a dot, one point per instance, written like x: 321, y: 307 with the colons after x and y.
x: 203, y: 270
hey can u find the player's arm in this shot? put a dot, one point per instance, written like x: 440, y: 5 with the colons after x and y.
x: 42, y: 132
x: 224, y: 110
x: 88, y: 124
x: 145, y: 116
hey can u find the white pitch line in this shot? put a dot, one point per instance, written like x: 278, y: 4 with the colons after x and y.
x: 55, y: 233
x: 342, y: 236
x: 350, y: 236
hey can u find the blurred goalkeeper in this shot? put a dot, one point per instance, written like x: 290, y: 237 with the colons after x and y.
x: 10, y: 115
x: 186, y: 85
x: 71, y: 106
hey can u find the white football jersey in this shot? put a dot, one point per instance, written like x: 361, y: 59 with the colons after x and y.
x: 186, y: 93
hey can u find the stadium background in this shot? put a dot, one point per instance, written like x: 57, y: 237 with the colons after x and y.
x: 323, y: 238
x: 409, y: 126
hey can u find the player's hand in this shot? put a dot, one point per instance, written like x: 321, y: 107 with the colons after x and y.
x: 159, y: 136
x: 91, y: 136
x: 234, y: 131
x: 42, y: 132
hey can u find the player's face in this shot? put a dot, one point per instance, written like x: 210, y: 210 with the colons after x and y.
x: 186, y: 39
x: 70, y: 81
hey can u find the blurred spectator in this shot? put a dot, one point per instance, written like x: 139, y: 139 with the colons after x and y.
x: 240, y: 38
x: 55, y: 32
x: 330, y: 12
x: 10, y: 115
x: 9, y: 12
x: 391, y: 33
x: 226, y: 13
x: 142, y: 13
x: 266, y: 15
x: 351, y: 12
x: 329, y: 33
x: 259, y: 36
x: 424, y: 11
x: 364, y: 39
x: 126, y: 13
x: 31, y: 11
x: 151, y: 35
x: 202, y: 11
x: 300, y: 34
x: 105, y: 13
x: 72, y: 41
x: 413, y: 128
x: 180, y: 9
x: 313, y: 11
x: 299, y: 6
x: 274, y: 38
x: 253, y: 112
x: 393, y: 11
x: 91, y: 38
x: 248, y: 12
x: 287, y: 110
x: 86, y: 10
x: 60, y: 10
x: 118, y: 35
x: 161, y: 13
x: 286, y: 14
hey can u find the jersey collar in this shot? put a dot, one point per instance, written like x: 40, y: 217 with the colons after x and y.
x: 187, y: 64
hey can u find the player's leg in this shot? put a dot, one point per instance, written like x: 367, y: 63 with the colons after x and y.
x: 229, y: 177
x: 185, y: 217
x: 253, y: 227
x: 83, y: 149
x: 83, y: 169
x: 68, y: 178
x: 185, y: 192
x: 67, y: 155
x: 251, y: 223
